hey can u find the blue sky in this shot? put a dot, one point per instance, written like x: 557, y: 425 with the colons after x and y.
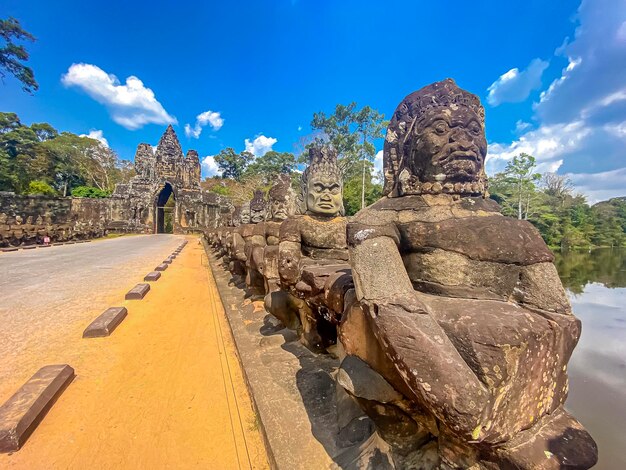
x: 552, y: 75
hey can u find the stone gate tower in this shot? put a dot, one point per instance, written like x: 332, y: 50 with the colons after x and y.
x: 165, y: 195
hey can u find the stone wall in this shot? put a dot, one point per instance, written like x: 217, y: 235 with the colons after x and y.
x: 25, y: 220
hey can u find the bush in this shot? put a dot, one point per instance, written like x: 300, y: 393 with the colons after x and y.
x: 40, y: 187
x: 89, y: 191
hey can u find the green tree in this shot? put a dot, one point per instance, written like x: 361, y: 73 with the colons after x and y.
x: 9, y: 122
x: 40, y: 187
x: 338, y: 130
x: 44, y: 131
x: 352, y: 133
x: 271, y: 165
x: 18, y: 149
x: 516, y: 185
x: 66, y: 154
x: 13, y: 55
x: 353, y: 193
x: 370, y: 125
x: 233, y: 164
x: 89, y: 191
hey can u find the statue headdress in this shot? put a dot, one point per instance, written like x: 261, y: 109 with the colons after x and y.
x: 400, y: 139
x: 322, y: 160
x: 281, y: 189
x: 258, y: 201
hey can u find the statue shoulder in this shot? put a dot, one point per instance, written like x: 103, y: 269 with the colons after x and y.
x: 290, y: 228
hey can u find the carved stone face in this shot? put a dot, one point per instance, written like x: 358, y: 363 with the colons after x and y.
x: 324, y: 196
x: 449, y: 146
x: 244, y: 216
x: 257, y: 215
x: 279, y: 210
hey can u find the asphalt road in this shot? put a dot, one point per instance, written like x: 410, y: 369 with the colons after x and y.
x: 48, y: 296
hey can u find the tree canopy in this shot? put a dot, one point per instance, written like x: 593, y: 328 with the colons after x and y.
x: 13, y: 55
x: 352, y: 133
x: 36, y: 159
x: 564, y: 218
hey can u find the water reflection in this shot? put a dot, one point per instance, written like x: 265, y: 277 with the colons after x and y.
x: 606, y: 266
x: 596, y: 282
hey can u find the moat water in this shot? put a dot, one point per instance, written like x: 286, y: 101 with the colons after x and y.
x: 596, y: 284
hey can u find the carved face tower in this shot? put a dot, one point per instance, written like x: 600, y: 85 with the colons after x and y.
x: 436, y: 143
x: 281, y: 199
x: 257, y: 207
x: 322, y: 186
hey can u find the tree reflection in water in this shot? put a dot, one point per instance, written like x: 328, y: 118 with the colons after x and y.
x: 596, y: 282
x: 606, y: 266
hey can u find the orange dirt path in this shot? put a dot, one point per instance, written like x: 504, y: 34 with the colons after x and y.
x: 165, y: 390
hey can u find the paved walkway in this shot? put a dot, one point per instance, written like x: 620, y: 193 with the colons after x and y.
x: 49, y: 295
x: 163, y: 391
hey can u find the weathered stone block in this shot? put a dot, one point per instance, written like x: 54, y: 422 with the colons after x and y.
x: 161, y: 267
x: 20, y: 415
x: 138, y: 292
x: 106, y: 322
x: 152, y: 276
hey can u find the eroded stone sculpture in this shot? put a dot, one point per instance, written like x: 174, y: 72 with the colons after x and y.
x: 263, y: 262
x: 247, y: 235
x: 311, y: 251
x: 460, y: 318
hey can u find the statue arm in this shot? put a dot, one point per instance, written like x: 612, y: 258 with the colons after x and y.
x: 257, y: 239
x: 411, y: 337
x: 239, y: 247
x: 289, y: 252
x: 540, y: 287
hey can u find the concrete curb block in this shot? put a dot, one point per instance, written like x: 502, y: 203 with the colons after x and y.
x: 161, y: 267
x: 105, y: 323
x: 20, y: 414
x: 7, y: 250
x: 138, y: 292
x: 29, y: 247
x: 152, y: 276
x: 167, y: 261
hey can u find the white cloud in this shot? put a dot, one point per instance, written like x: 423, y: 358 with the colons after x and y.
x: 546, y: 144
x: 521, y: 126
x: 131, y: 105
x: 213, y: 118
x: 260, y: 145
x: 618, y: 129
x: 209, y: 167
x: 581, y: 117
x: 600, y: 186
x: 378, y: 167
x: 97, y: 135
x: 595, y: 76
x: 515, y: 86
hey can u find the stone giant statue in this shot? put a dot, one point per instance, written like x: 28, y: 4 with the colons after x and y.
x: 310, y: 242
x: 263, y: 262
x: 460, y: 319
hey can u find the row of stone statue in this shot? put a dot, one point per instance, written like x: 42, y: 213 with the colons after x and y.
x: 452, y: 326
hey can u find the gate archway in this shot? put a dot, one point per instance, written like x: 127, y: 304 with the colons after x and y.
x: 165, y: 210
